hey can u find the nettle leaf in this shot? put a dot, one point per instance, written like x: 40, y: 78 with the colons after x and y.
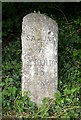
x: 67, y: 91
x: 5, y: 92
x: 76, y: 52
x: 11, y: 90
x: 73, y: 90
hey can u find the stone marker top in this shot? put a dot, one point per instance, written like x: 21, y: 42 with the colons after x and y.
x: 34, y: 16
x: 38, y: 22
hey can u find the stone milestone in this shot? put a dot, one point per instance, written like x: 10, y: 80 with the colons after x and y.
x: 39, y: 56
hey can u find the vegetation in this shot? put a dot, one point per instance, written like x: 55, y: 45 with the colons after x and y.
x: 67, y: 103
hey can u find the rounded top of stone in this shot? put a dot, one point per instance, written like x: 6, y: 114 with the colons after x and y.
x: 39, y: 16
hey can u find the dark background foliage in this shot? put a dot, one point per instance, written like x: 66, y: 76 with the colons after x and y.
x: 68, y: 97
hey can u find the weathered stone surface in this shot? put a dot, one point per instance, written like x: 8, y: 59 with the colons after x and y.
x: 39, y: 56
